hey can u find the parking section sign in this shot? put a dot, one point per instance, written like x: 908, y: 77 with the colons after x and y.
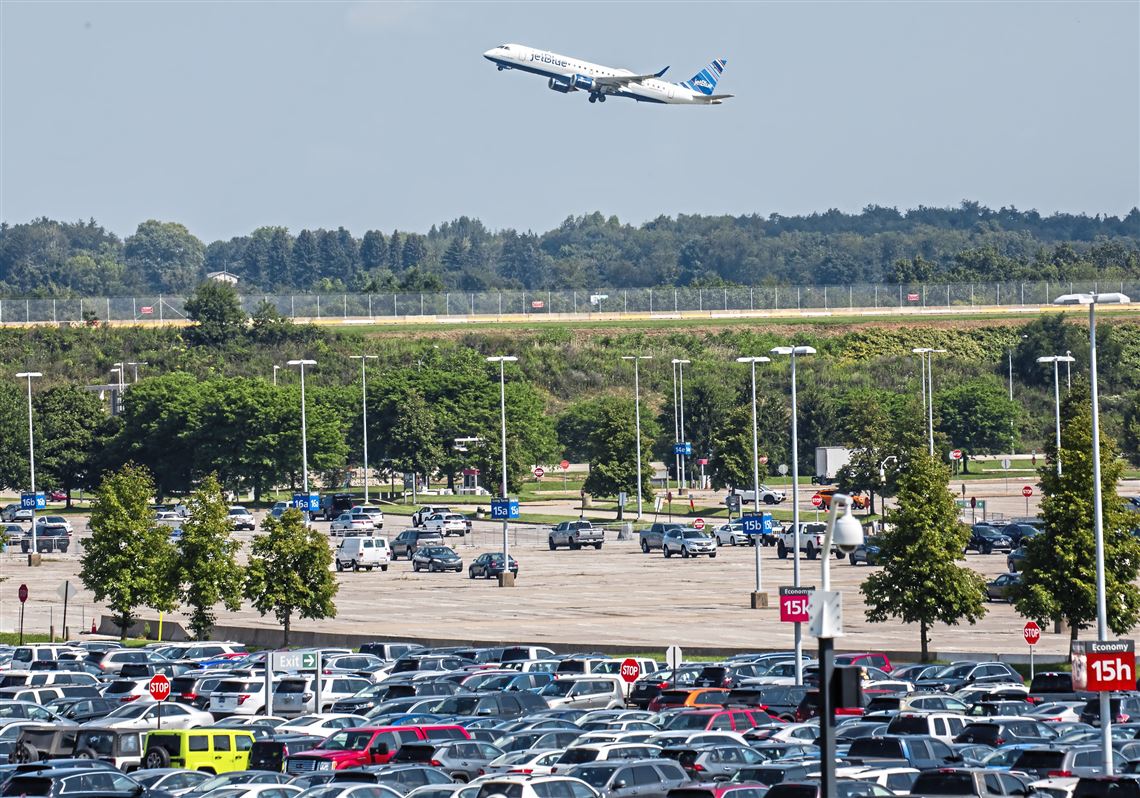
x: 757, y: 523
x: 794, y: 603
x: 504, y: 509
x: 33, y: 501
x: 311, y: 502
x: 1104, y: 665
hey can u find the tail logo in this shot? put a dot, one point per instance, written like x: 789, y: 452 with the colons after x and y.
x: 704, y: 81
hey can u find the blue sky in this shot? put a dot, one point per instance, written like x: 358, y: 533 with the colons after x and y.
x: 227, y: 116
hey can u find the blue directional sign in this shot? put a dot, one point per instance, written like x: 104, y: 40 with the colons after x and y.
x: 312, y: 502
x: 683, y: 447
x: 33, y: 501
x: 504, y: 509
x: 757, y: 524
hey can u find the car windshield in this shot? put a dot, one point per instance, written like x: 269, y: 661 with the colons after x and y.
x: 595, y: 775
x: 688, y: 721
x: 956, y: 671
x: 456, y: 705
x: 346, y: 741
x: 129, y: 711
x: 558, y: 688
x: 693, y: 533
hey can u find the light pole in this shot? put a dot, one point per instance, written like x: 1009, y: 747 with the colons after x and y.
x: 304, y: 433
x: 684, y: 457
x: 506, y: 579
x: 364, y: 413
x: 794, y: 352
x: 1092, y: 300
x: 637, y: 419
x: 927, y: 355
x: 275, y: 368
x: 29, y: 375
x: 1055, y: 360
x: 756, y: 538
x: 679, y: 418
x: 847, y: 533
x: 1069, y: 370
x: 136, y: 364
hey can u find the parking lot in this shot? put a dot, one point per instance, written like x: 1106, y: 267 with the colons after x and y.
x: 615, y: 596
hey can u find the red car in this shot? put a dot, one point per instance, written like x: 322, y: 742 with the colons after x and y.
x: 739, y: 720
x: 744, y: 789
x: 350, y: 748
x: 871, y: 659
x: 57, y: 496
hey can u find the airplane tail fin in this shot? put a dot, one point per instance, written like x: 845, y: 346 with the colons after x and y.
x: 705, y: 80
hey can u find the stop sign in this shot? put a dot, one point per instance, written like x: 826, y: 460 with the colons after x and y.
x: 159, y: 687
x: 22, y: 593
x: 1027, y: 491
x: 630, y: 670
x: 816, y: 500
x: 698, y: 524
x: 955, y: 454
x: 565, y: 464
x: 538, y: 472
x: 1032, y: 633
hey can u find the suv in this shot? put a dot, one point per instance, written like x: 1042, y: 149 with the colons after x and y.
x: 120, y: 747
x: 535, y: 787
x: 624, y: 779
x: 421, y: 515
x: 1123, y: 707
x: 210, y: 750
x: 980, y: 782
x: 575, y: 535
x: 985, y: 538
x: 653, y: 536
x: 409, y: 540
x: 446, y: 524
x: 333, y: 504
x: 687, y: 542
x: 241, y: 518
x: 939, y: 725
x: 584, y: 692
x: 40, y: 743
x: 375, y: 514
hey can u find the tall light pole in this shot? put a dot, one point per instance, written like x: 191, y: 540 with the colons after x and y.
x: 794, y: 352
x: 136, y: 364
x: 29, y: 375
x: 502, y: 360
x: 679, y: 415
x: 756, y: 539
x: 927, y: 379
x: 304, y: 433
x: 1092, y: 300
x: 275, y: 369
x: 1069, y: 370
x: 364, y: 413
x: 1056, y: 360
x: 637, y: 419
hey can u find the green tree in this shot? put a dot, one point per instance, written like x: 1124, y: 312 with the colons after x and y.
x: 1059, y: 574
x: 977, y: 416
x: 414, y: 438
x: 290, y: 572
x: 208, y: 573
x: 128, y: 562
x: 1130, y: 434
x: 611, y: 447
x: 14, y: 471
x: 165, y: 255
x: 920, y: 581
x: 71, y: 425
x: 216, y: 310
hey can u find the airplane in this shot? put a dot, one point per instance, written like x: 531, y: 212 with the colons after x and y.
x: 565, y: 74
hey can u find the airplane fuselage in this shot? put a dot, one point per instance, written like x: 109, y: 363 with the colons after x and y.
x: 566, y: 74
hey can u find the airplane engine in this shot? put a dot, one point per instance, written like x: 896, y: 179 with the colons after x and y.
x: 583, y: 82
x: 563, y: 85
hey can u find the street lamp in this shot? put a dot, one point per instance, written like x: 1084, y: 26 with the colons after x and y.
x: 31, y: 453
x: 304, y: 433
x: 1055, y: 360
x: 794, y: 352
x: 756, y: 539
x: 637, y: 419
x: 275, y: 368
x: 846, y: 533
x: 679, y: 420
x: 927, y: 355
x: 364, y: 413
x: 507, y: 579
x: 136, y: 364
x: 1092, y: 300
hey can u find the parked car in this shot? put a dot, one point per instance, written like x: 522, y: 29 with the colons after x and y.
x: 446, y: 524
x: 349, y: 524
x: 422, y: 514
x: 362, y: 552
x: 333, y: 504
x: 78, y: 781
x: 986, y: 539
x: 15, y: 514
x: 241, y: 518
x: 688, y: 542
x: 215, y: 750
x: 46, y: 539
x: 122, y: 748
x: 462, y: 760
x: 575, y: 535
x: 1014, y: 560
x: 436, y: 558
x: 1020, y: 532
x: 868, y: 552
x: 1001, y: 588
x: 732, y: 534
x: 652, y: 536
x: 409, y: 540
x: 375, y: 514
x: 585, y: 692
x: 626, y: 779
x: 490, y: 564
x: 963, y: 674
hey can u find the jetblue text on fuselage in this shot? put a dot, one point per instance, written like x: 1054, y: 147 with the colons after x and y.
x: 547, y: 58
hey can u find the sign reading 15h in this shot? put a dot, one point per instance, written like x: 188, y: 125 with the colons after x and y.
x: 504, y: 509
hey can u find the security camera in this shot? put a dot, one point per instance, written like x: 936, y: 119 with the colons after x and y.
x: 848, y: 532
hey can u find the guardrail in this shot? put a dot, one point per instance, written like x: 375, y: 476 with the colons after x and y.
x: 162, y: 309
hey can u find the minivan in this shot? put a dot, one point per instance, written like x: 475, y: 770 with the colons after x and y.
x: 363, y: 552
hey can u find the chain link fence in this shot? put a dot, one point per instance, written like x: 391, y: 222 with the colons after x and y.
x: 658, y: 302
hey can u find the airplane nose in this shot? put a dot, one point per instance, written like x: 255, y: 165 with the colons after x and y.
x: 488, y: 55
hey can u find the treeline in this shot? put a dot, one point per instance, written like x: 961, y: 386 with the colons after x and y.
x: 970, y: 243
x: 210, y: 401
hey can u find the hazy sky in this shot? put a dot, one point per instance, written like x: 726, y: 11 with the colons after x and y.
x: 227, y: 116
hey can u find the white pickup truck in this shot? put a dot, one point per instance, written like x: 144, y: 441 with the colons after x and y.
x: 575, y: 535
x: 811, y: 540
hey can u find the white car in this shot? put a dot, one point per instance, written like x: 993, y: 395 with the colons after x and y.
x: 446, y: 524
x: 323, y: 724
x: 147, y: 716
x: 271, y: 790
x: 43, y: 521
x: 732, y: 534
x: 347, y: 524
x: 374, y: 513
x: 537, y: 763
x: 241, y: 518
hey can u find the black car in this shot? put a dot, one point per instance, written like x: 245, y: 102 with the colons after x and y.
x: 82, y: 708
x: 97, y: 781
x: 868, y: 552
x: 985, y: 539
x: 1020, y: 532
x: 1001, y: 588
x: 1015, y: 559
x: 957, y: 675
x: 997, y: 733
x: 408, y: 541
x: 436, y: 558
x: 490, y: 564
x: 1124, y: 708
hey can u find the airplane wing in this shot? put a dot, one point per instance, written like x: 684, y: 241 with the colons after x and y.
x: 713, y: 99
x: 618, y: 81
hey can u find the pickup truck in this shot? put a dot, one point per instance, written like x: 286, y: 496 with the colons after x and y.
x: 575, y: 535
x: 811, y: 540
x: 916, y: 751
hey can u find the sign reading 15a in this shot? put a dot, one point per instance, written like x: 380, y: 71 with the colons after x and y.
x: 504, y: 509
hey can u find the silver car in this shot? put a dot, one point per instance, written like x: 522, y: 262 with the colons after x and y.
x: 688, y: 542
x: 585, y: 692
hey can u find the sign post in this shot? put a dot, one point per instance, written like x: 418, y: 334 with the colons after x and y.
x: 1027, y: 491
x: 673, y: 656
x: 22, y: 594
x: 159, y: 689
x: 1032, y: 633
x: 565, y: 466
x: 817, y: 502
x: 66, y: 592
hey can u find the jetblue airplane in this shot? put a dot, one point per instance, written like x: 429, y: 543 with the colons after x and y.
x: 567, y: 74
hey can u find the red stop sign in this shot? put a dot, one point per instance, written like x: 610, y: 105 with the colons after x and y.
x: 159, y: 687
x: 22, y: 593
x: 1032, y: 633
x: 698, y: 524
x: 1027, y: 491
x: 630, y: 670
x: 565, y: 464
x: 816, y: 500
